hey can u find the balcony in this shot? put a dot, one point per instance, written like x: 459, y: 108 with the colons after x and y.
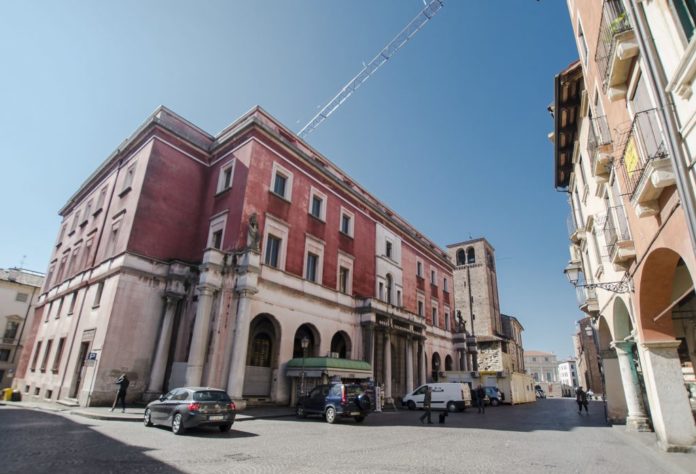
x: 645, y: 165
x: 575, y: 234
x: 587, y: 299
x: 599, y: 146
x: 616, y: 48
x: 619, y: 243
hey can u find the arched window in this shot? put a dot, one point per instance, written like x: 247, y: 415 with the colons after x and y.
x: 489, y: 260
x: 340, y: 345
x: 389, y: 288
x: 461, y: 257
x: 261, y: 351
x: 470, y: 255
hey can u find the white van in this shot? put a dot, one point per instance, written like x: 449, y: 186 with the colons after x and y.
x: 451, y: 396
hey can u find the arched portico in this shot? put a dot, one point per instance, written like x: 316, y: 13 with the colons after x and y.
x: 310, y: 332
x: 435, y: 366
x: 340, y: 345
x: 665, y: 292
x: 615, y: 398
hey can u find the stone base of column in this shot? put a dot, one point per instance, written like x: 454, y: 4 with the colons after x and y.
x: 149, y: 396
x: 637, y: 423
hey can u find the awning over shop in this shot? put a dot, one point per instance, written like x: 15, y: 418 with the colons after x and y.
x: 316, y: 366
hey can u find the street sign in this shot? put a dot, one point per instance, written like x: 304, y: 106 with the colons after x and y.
x: 92, y: 356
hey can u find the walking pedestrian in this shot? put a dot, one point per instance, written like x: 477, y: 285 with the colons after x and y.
x: 427, y: 398
x: 581, y: 399
x: 480, y: 393
x: 123, y: 384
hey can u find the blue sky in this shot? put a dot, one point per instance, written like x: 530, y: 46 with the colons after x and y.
x: 451, y: 133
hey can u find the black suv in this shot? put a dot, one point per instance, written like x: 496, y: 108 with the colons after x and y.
x: 335, y: 400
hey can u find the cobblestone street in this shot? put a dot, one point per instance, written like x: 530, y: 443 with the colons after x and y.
x: 549, y: 436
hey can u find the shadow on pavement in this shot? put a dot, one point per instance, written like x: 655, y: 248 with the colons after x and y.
x: 559, y: 414
x: 36, y: 442
x: 209, y: 432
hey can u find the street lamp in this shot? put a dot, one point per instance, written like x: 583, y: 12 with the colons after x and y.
x: 436, y: 365
x: 305, y: 344
x: 572, y: 272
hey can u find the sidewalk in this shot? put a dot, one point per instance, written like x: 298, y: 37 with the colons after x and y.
x: 646, y: 442
x: 137, y: 413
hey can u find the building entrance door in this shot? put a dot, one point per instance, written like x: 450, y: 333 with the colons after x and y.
x: 80, y: 366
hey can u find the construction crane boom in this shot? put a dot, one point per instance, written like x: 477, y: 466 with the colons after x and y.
x: 382, y: 57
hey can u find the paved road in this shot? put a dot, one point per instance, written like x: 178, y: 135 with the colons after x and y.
x: 548, y: 436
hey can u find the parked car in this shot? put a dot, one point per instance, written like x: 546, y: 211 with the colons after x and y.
x: 494, y: 396
x: 187, y: 407
x: 334, y: 401
x: 450, y: 396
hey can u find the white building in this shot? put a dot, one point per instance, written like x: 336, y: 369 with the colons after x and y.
x: 542, y: 366
x: 568, y: 373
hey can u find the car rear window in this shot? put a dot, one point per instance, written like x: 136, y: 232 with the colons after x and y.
x: 211, y: 396
x: 353, y: 390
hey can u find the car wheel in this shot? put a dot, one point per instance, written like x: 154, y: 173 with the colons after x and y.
x: 225, y: 428
x: 451, y: 407
x: 147, y: 419
x: 411, y: 405
x: 359, y: 419
x: 300, y: 412
x: 330, y: 415
x: 178, y: 424
x: 495, y: 402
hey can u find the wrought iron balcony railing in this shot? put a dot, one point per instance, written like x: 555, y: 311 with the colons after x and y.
x: 599, y: 135
x: 615, y: 228
x: 614, y: 22
x: 645, y: 143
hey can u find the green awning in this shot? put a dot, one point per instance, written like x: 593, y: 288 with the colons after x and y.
x: 330, y: 365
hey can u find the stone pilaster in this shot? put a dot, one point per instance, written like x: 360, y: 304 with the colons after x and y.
x: 159, y: 364
x: 669, y: 406
x: 387, y: 365
x: 409, y: 365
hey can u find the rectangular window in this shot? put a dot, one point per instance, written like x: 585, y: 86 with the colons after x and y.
x: 75, y: 221
x: 85, y: 255
x: 380, y: 291
x: 388, y: 249
x: 59, y: 355
x: 22, y: 297
x: 11, y: 331
x: 316, y: 206
x: 36, y: 356
x: 583, y: 43
x: 433, y: 277
x: 217, y: 240
x: 419, y: 269
x: 71, y: 307
x: 60, y: 308
x: 47, y: 352
x: 101, y: 199
x: 445, y: 287
x: 398, y: 298
x: 4, y: 355
x: 280, y: 184
x: 48, y: 311
x: 128, y: 180
x: 272, y: 251
x: 686, y: 11
x: 113, y: 238
x: 347, y: 219
x: 312, y: 261
x: 447, y: 321
x: 98, y: 295
x: 434, y: 321
x: 343, y: 277
x: 88, y: 211
x: 225, y: 176
x: 420, y: 308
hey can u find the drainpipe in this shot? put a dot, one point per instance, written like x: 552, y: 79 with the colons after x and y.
x: 665, y: 109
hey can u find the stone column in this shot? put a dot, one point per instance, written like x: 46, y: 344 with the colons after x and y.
x: 159, y: 364
x: 409, y: 365
x: 422, y: 364
x: 240, y: 346
x: 387, y: 365
x: 637, y: 419
x: 669, y: 406
x: 199, y: 340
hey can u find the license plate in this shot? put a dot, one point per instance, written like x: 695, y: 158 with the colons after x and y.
x: 355, y: 413
x: 216, y: 417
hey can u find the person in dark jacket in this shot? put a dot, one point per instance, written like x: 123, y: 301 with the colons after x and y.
x: 581, y: 399
x: 427, y: 399
x: 480, y: 394
x: 123, y: 384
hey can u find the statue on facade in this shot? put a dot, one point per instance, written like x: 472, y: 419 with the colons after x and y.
x: 253, y: 233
